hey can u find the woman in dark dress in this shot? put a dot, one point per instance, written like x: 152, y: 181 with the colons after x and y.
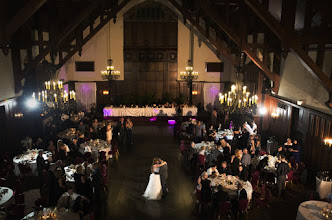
x: 85, y: 187
x: 205, y: 185
x: 236, y: 161
x: 226, y: 149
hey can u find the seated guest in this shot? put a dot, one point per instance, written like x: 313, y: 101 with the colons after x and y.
x: 205, y: 185
x: 51, y: 148
x: 40, y: 144
x: 242, y: 193
x: 287, y: 147
x: 201, y: 156
x: 91, y: 134
x: 67, y: 199
x: 220, y: 196
x: 225, y: 169
x: 198, y: 131
x: 77, y: 177
x: 81, y: 138
x: 81, y: 127
x: 216, y: 152
x: 214, y: 136
x: 62, y: 150
x: 212, y: 171
x: 95, y: 125
x: 240, y: 173
x: 74, y: 149
x: 81, y: 206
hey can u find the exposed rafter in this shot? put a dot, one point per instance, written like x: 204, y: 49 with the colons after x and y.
x: 224, y: 50
x: 292, y: 42
x: 22, y: 16
x: 215, y: 16
x: 103, y: 22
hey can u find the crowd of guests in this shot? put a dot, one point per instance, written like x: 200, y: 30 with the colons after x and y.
x: 82, y: 195
x: 242, y: 157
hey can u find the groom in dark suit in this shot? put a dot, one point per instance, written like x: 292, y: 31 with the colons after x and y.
x: 163, y: 171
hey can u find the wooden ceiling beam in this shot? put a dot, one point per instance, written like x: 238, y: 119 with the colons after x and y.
x: 292, y: 40
x: 22, y: 16
x: 215, y: 16
x: 221, y: 48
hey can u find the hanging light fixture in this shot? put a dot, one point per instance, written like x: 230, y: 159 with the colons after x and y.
x: 189, y: 75
x: 109, y: 74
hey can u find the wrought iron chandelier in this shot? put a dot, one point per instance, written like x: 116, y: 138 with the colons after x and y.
x: 109, y: 74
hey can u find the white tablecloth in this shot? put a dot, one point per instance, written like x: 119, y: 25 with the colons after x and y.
x: 147, y: 112
x: 94, y: 147
x: 311, y: 210
x: 30, y: 158
x: 208, y: 146
x: 324, y: 188
x: 7, y: 198
x: 232, y: 189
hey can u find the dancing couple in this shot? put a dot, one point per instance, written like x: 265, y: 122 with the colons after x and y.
x: 157, y: 187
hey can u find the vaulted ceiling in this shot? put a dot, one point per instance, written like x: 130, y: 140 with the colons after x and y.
x: 265, y: 31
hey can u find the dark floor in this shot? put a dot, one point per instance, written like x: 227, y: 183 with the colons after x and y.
x: 130, y: 175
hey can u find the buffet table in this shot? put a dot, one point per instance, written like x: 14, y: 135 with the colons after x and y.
x: 312, y: 210
x: 324, y: 188
x: 6, y: 196
x: 147, y: 112
x: 229, y: 184
x: 29, y: 157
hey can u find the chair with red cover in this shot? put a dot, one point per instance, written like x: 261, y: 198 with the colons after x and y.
x: 224, y: 209
x: 243, y: 205
x: 79, y: 160
x: 87, y: 155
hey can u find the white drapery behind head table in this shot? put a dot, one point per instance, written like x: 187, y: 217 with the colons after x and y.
x: 85, y: 94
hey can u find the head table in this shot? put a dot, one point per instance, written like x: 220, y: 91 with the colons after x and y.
x: 29, y: 157
x: 313, y: 210
x: 229, y: 184
x: 147, y: 111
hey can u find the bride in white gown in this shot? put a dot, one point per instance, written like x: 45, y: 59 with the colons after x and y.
x: 153, y: 190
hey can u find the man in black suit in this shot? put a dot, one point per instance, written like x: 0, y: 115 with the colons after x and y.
x: 241, y: 174
x: 41, y: 167
x: 282, y: 170
x: 163, y: 171
x: 224, y: 169
x: 51, y: 185
x: 96, y: 182
x: 242, y: 193
x: 220, y: 196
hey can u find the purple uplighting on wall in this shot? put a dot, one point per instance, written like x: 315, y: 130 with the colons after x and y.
x: 153, y: 118
x: 171, y: 122
x: 107, y: 112
x: 214, y: 91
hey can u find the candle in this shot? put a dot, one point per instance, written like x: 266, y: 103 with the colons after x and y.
x: 74, y: 95
x: 249, y: 102
x: 230, y: 101
x: 244, y: 102
x: 38, y: 96
x: 233, y: 88
x: 244, y: 89
x: 49, y: 84
x: 222, y: 99
x: 226, y: 97
x: 256, y: 99
x: 55, y: 98
x: 239, y: 104
x: 33, y: 96
x: 53, y: 85
x: 45, y: 85
x: 70, y: 94
x: 59, y: 86
x: 43, y: 97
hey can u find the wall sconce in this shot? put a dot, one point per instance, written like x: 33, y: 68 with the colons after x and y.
x: 195, y: 93
x: 299, y: 102
x: 106, y: 92
x: 274, y: 115
x: 328, y: 142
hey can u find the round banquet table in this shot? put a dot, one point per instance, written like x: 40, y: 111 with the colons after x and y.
x: 6, y: 198
x: 63, y: 215
x: 26, y: 158
x: 231, y: 189
x: 94, y: 147
x: 324, y: 188
x: 311, y: 210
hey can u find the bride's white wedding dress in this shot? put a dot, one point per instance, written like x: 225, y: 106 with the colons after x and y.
x: 153, y: 190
